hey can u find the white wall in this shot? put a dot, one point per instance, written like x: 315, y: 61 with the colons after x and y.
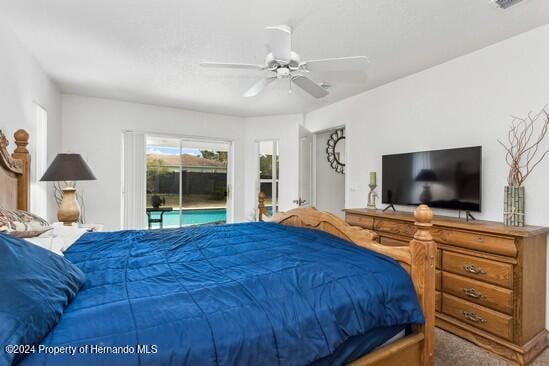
x: 330, y: 186
x: 463, y: 102
x: 285, y: 129
x: 23, y: 83
x: 93, y: 127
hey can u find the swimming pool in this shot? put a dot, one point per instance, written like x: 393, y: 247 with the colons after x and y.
x: 191, y: 217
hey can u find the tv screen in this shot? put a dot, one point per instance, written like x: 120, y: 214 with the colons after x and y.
x: 440, y: 178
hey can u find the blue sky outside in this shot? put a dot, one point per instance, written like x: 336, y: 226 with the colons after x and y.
x: 163, y: 150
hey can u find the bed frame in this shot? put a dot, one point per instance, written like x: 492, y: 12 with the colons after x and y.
x: 418, y: 259
x: 15, y: 172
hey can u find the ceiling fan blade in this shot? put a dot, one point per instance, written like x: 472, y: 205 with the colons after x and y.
x: 309, y: 86
x: 259, y: 86
x: 337, y: 64
x: 280, y: 42
x: 227, y: 65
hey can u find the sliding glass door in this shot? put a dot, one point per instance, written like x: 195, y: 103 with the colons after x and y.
x: 187, y: 182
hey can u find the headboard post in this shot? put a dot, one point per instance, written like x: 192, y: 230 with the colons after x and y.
x: 423, y: 250
x: 262, y: 210
x: 21, y: 153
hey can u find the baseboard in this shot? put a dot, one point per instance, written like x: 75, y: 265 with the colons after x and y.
x: 521, y: 355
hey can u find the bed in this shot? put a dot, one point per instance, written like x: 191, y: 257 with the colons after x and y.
x: 303, y: 288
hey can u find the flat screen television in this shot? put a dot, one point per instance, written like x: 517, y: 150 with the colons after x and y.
x: 448, y: 178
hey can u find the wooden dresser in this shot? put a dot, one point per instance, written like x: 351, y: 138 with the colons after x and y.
x: 491, y: 280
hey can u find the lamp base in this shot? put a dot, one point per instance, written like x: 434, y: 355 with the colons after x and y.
x: 69, y: 209
x: 372, y: 197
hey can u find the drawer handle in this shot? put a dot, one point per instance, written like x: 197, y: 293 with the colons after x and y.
x: 473, y: 317
x: 471, y: 292
x: 471, y: 268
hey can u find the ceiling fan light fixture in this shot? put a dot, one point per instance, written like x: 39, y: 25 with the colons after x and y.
x: 282, y: 63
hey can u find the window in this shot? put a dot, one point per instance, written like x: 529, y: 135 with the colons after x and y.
x: 269, y: 172
x: 187, y: 181
x: 39, y: 163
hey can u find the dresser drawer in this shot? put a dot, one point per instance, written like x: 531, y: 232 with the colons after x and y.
x: 486, y: 243
x: 485, y: 294
x: 438, y: 280
x: 480, y: 269
x: 438, y: 301
x: 360, y: 220
x: 395, y: 227
x: 439, y: 259
x: 483, y: 318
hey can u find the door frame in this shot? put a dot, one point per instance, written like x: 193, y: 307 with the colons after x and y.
x: 304, y: 132
x: 315, y: 161
x: 230, y: 164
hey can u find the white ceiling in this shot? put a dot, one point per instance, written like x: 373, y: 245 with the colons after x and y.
x: 148, y: 50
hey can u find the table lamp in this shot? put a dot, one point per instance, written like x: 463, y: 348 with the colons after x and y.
x: 427, y: 176
x: 68, y: 168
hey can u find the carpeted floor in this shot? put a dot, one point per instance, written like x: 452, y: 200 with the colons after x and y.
x: 454, y: 351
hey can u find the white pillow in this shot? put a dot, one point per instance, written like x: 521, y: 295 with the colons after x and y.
x: 59, y: 239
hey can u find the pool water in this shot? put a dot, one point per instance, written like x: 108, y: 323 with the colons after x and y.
x: 191, y: 217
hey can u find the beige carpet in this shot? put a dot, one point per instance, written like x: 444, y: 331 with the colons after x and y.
x: 454, y: 351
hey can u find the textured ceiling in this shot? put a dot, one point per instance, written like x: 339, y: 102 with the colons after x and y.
x: 148, y: 50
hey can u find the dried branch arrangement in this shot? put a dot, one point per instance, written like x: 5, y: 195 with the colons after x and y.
x: 524, y: 146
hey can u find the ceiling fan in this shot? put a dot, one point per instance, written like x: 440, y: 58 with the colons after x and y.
x: 284, y: 64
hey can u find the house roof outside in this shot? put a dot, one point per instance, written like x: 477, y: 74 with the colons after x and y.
x: 190, y: 163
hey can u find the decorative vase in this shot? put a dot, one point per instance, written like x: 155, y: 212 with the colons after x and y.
x: 513, y: 206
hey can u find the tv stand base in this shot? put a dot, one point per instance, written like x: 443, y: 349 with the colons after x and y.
x: 390, y: 206
x: 469, y: 216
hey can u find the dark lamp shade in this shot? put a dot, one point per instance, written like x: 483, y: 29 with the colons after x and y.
x: 426, y: 175
x: 67, y: 167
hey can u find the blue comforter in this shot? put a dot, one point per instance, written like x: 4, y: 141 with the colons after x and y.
x: 242, y: 294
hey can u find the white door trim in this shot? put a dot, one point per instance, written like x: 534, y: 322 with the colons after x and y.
x: 315, y: 162
x: 305, y: 134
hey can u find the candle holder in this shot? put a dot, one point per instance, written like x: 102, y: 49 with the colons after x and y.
x: 372, y: 196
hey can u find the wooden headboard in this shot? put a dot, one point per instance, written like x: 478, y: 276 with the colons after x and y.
x: 15, y: 172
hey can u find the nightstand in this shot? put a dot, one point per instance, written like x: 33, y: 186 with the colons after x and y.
x: 92, y: 227
x: 89, y: 227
